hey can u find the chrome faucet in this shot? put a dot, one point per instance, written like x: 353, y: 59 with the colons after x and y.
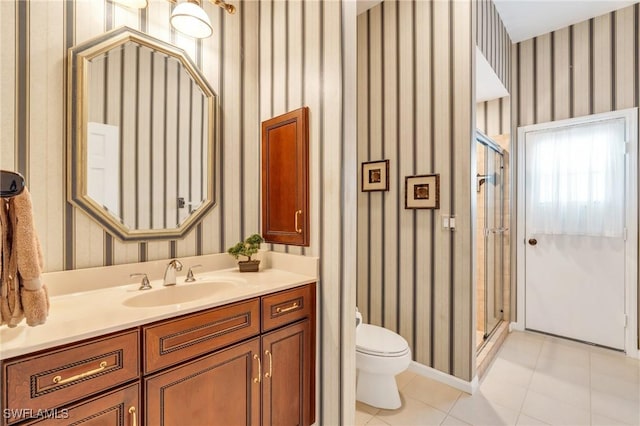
x: 170, y: 272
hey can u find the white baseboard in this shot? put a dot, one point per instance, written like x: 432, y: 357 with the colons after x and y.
x: 437, y: 375
x: 518, y: 326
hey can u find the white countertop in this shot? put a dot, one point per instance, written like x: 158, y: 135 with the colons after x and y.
x: 79, y: 315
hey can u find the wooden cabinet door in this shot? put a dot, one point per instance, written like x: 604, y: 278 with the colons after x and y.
x: 286, y: 386
x: 217, y: 389
x: 285, y: 178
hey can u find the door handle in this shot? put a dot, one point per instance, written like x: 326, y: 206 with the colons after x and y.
x: 298, y: 230
x: 60, y: 381
x: 270, y: 372
x: 259, y: 378
x: 134, y: 416
x: 533, y: 241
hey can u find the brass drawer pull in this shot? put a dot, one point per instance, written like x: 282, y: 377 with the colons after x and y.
x: 280, y: 310
x: 298, y: 230
x: 60, y: 381
x: 259, y: 378
x: 269, y: 374
x: 132, y: 411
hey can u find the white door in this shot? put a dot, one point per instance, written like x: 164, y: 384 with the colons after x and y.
x: 103, y: 166
x: 574, y: 232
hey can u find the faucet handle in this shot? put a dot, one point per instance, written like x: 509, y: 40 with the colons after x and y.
x: 190, y: 278
x: 176, y: 264
x: 144, y: 285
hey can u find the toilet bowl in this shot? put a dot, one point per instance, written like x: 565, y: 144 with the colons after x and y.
x: 381, y: 354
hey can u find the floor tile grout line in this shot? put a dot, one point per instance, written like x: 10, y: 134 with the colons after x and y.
x: 454, y: 403
x: 450, y: 416
x: 552, y: 341
x: 520, y: 412
x: 529, y: 382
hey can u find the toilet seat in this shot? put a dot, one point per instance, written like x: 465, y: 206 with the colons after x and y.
x: 378, y: 341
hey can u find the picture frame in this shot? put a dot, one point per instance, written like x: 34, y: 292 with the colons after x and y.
x: 375, y: 176
x: 422, y: 192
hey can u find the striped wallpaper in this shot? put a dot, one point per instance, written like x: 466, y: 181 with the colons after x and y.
x: 493, y: 40
x: 494, y: 117
x: 587, y: 68
x: 268, y: 58
x: 69, y: 237
x: 415, y: 108
x: 302, y: 62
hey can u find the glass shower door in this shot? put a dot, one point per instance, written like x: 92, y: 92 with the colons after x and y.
x: 493, y: 239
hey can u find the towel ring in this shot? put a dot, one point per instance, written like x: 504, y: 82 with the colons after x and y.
x: 11, y: 184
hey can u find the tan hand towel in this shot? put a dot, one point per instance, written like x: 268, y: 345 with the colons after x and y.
x: 10, y: 303
x: 28, y: 255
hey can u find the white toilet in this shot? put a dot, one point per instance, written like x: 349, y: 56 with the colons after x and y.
x: 380, y: 355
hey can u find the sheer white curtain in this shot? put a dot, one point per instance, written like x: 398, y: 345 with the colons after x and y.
x: 575, y: 179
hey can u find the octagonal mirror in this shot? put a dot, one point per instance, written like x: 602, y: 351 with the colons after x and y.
x: 140, y: 135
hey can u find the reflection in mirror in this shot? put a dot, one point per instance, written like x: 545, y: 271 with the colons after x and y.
x: 143, y: 148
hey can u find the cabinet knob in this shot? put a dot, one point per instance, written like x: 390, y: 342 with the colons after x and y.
x: 298, y: 230
x: 533, y: 241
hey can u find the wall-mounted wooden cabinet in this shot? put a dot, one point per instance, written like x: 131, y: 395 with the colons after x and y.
x: 285, y: 178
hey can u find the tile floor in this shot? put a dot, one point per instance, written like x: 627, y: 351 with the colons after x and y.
x: 534, y: 380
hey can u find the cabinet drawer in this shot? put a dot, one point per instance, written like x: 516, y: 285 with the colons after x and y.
x: 57, y: 377
x: 169, y: 342
x: 286, y: 307
x: 117, y: 408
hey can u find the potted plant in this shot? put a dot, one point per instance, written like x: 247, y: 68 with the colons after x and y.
x: 247, y: 248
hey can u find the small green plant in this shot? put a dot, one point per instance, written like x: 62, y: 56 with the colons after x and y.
x: 247, y: 248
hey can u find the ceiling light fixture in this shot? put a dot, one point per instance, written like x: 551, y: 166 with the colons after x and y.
x: 190, y: 19
x: 187, y: 17
x: 231, y: 9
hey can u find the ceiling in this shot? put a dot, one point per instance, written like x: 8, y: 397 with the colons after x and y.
x: 525, y: 19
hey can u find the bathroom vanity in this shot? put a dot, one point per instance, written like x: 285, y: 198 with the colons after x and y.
x: 242, y: 355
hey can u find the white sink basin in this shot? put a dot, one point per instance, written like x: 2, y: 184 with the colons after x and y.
x: 177, y: 294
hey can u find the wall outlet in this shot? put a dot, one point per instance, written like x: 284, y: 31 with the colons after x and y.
x: 445, y: 222
x: 448, y: 222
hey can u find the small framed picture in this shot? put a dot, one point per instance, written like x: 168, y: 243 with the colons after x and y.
x: 375, y: 175
x: 422, y: 192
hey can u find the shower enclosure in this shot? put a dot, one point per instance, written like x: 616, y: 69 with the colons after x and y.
x: 490, y: 236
